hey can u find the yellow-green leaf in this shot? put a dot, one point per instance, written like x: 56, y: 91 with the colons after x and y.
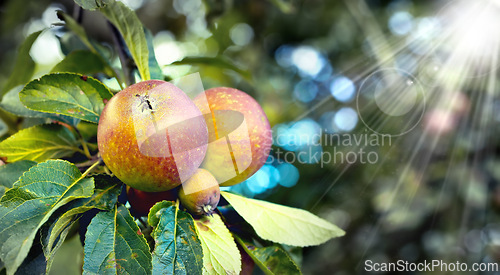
x: 220, y: 253
x: 283, y: 224
x: 39, y: 143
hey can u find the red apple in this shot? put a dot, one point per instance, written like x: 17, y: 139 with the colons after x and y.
x: 152, y: 136
x: 239, y: 134
x: 141, y: 202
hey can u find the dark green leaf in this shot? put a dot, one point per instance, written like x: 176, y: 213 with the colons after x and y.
x: 11, y: 172
x: 219, y: 62
x: 129, y: 25
x: 94, y: 47
x: 31, y: 201
x: 24, y: 67
x: 77, y: 29
x: 154, y: 68
x: 82, y: 62
x: 39, y: 143
x: 4, y: 128
x: 92, y: 4
x: 12, y: 104
x: 178, y: 249
x: 107, y: 190
x: 271, y: 259
x: 114, y: 244
x: 67, y: 94
x: 34, y: 263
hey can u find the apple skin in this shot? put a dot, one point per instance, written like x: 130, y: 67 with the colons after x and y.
x: 141, y: 202
x: 152, y: 136
x: 200, y: 195
x: 250, y: 142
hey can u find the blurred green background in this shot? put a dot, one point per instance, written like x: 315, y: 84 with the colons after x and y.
x: 337, y: 78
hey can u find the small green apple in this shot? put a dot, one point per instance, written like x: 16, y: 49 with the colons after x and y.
x: 200, y: 194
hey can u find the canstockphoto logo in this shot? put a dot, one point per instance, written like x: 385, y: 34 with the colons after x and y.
x: 166, y: 131
x: 390, y: 102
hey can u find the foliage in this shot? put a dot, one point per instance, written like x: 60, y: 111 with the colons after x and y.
x: 55, y: 180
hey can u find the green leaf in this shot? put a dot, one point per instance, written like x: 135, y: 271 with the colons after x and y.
x: 178, y: 249
x: 92, y: 4
x: 77, y: 29
x: 25, y: 66
x: 68, y: 94
x: 28, y: 205
x: 114, y: 244
x: 4, y: 128
x: 12, y: 104
x: 11, y: 172
x: 129, y: 25
x: 271, y: 260
x: 105, y: 197
x: 94, y: 47
x: 220, y: 253
x: 39, y: 143
x: 283, y: 224
x: 154, y: 68
x: 83, y: 62
x: 284, y: 5
x: 220, y: 62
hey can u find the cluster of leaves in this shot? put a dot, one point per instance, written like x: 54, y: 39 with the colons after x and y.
x: 45, y: 196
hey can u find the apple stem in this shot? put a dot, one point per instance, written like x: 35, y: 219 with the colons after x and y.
x: 207, y: 209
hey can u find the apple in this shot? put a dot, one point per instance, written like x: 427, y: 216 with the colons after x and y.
x: 200, y: 194
x: 152, y: 136
x: 141, y: 202
x: 239, y: 134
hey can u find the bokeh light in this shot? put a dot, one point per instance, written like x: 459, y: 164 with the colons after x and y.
x: 346, y: 119
x: 305, y: 91
x: 401, y: 23
x: 241, y: 34
x: 308, y: 60
x: 297, y: 135
x: 259, y: 182
x: 46, y: 50
x: 289, y: 174
x: 342, y: 89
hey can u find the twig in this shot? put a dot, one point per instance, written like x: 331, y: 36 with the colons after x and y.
x: 86, y: 151
x: 88, y: 162
x: 125, y: 59
x: 78, y: 13
x: 91, y: 168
